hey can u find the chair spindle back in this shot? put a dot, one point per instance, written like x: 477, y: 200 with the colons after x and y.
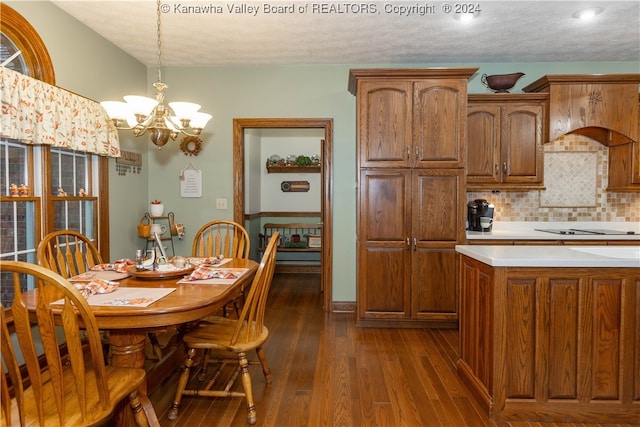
x: 256, y: 299
x: 221, y: 237
x: 68, y: 253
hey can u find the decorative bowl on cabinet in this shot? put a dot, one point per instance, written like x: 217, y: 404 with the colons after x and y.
x: 501, y: 83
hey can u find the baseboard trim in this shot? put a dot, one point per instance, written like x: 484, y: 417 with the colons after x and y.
x: 395, y: 323
x: 297, y: 268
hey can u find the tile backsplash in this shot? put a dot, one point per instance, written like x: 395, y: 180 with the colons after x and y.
x: 572, y: 193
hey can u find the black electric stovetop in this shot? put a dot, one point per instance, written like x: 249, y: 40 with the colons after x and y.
x: 585, y: 232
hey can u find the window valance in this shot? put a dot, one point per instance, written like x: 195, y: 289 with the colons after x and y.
x: 35, y: 112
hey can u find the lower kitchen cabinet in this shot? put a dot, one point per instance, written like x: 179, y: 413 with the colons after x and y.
x: 554, y: 344
x: 409, y: 221
x: 434, y: 296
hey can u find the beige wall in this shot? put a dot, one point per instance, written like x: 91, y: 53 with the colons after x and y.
x: 88, y: 64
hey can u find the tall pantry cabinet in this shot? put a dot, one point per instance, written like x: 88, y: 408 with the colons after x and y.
x: 411, y: 156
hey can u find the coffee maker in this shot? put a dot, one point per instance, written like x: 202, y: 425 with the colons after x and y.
x: 477, y: 209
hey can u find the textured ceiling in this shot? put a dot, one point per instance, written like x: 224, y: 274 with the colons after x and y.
x: 212, y: 33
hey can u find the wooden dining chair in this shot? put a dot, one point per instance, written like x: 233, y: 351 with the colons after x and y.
x: 69, y: 384
x: 69, y: 253
x: 221, y: 237
x: 226, y: 238
x: 232, y: 336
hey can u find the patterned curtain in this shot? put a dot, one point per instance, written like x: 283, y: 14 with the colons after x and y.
x: 35, y: 112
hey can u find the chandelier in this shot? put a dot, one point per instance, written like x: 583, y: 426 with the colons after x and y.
x: 148, y: 115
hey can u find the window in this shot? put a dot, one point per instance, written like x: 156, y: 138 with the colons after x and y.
x: 17, y: 33
x: 20, y: 214
x: 41, y: 207
x: 71, y: 178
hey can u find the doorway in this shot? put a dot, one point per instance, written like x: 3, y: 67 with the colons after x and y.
x: 326, y: 180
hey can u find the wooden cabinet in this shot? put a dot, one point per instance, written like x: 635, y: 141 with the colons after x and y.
x: 409, y: 224
x: 411, y: 194
x: 384, y: 124
x: 554, y: 344
x: 411, y: 119
x: 624, y: 166
x: 505, y: 136
x: 384, y: 244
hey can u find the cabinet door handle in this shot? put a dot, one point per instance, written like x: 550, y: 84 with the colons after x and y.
x: 408, y: 244
x: 408, y: 153
x: 415, y: 244
x: 497, y: 169
x: 504, y: 167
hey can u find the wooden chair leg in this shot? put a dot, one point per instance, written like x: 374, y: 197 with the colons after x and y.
x: 182, y: 383
x: 265, y: 366
x: 206, y: 358
x: 237, y: 306
x: 155, y: 345
x: 248, y: 391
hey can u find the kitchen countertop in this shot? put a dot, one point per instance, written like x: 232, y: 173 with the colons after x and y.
x: 553, y: 256
x: 525, y: 230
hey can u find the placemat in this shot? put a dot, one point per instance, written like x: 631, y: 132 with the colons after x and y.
x: 128, y: 297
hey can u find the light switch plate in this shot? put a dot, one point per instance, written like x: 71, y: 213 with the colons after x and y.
x: 221, y: 204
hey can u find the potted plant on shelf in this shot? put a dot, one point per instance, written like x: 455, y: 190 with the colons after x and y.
x: 157, y: 208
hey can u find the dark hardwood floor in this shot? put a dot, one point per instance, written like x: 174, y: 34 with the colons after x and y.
x: 328, y: 372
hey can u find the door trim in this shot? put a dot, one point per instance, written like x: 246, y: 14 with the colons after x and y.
x: 326, y: 205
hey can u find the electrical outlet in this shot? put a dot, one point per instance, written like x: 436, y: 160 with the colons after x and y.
x: 221, y: 204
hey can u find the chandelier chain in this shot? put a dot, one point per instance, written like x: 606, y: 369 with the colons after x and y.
x: 146, y: 115
x: 158, y: 12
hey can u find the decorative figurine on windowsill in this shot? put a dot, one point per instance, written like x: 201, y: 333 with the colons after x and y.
x: 82, y: 193
x: 24, y: 190
x: 61, y: 192
x: 14, y: 190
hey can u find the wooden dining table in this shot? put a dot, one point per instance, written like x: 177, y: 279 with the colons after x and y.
x: 128, y: 327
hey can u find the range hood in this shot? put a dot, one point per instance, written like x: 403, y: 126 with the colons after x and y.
x: 601, y: 107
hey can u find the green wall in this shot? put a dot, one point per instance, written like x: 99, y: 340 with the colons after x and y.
x: 89, y: 65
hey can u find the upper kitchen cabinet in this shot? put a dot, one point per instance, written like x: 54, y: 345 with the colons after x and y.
x: 412, y: 118
x: 602, y: 107
x: 504, y: 141
x: 624, y: 166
